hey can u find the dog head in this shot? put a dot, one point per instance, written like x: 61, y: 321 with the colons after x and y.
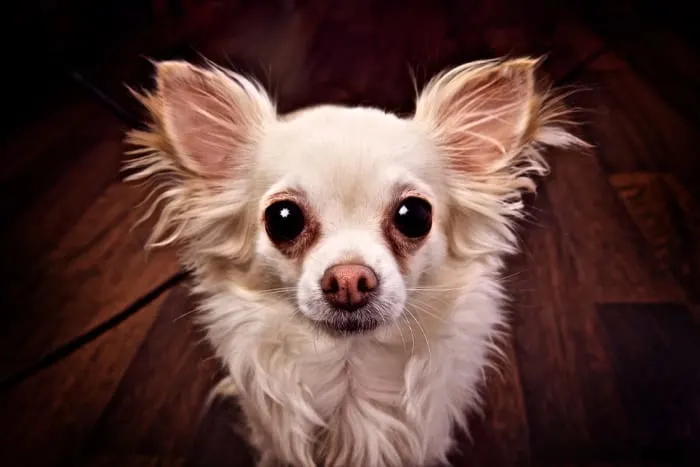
x: 348, y: 209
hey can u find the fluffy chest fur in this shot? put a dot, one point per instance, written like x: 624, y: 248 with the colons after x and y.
x: 389, y: 399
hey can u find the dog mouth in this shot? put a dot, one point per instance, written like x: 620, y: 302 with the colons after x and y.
x: 343, y: 323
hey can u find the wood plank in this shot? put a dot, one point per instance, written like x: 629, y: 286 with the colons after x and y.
x: 48, y: 416
x: 81, y: 164
x: 574, y: 407
x: 646, y: 145
x: 317, y: 54
x: 91, y: 149
x: 659, y: 384
x: 669, y: 218
x: 636, y: 132
x: 53, y: 123
x: 589, y: 251
x: 668, y: 63
x: 626, y: 112
x: 557, y: 351
x: 95, y: 269
x: 611, y: 256
x: 499, y: 436
x: 156, y: 409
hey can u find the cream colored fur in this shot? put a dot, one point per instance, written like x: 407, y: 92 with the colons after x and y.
x: 394, y: 396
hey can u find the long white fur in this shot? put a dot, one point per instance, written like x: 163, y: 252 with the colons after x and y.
x: 393, y: 397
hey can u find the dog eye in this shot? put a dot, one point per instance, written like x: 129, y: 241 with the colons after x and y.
x: 414, y: 217
x: 284, y: 221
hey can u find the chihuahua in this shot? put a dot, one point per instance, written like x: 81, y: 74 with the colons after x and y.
x: 348, y: 259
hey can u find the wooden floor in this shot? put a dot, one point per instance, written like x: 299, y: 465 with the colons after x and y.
x: 100, y: 364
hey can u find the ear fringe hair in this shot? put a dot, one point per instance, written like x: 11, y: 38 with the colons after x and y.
x: 215, y: 215
x: 491, y: 195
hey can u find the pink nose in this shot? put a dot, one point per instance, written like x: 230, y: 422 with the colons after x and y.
x: 348, y: 286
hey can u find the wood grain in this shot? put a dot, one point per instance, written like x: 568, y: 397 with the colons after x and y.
x: 669, y: 218
x: 24, y: 146
x: 51, y: 413
x: 610, y: 256
x: 590, y: 251
x: 157, y: 406
x: 655, y: 136
x: 92, y: 141
x: 637, y: 132
x: 573, y: 404
x: 57, y: 291
x: 550, y: 314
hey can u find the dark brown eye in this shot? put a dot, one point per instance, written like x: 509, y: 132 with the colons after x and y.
x: 284, y: 221
x: 414, y: 217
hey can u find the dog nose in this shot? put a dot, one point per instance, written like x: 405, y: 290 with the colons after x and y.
x: 348, y: 286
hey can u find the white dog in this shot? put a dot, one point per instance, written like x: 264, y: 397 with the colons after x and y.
x: 348, y: 259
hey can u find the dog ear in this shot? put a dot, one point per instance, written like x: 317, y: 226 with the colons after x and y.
x: 483, y: 115
x: 202, y: 137
x: 489, y: 122
x: 206, y: 121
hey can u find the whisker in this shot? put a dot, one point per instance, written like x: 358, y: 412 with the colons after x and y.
x: 279, y: 291
x: 186, y: 314
x: 434, y: 289
x: 384, y: 308
x: 446, y: 302
x: 413, y: 337
x: 425, y: 336
x: 431, y: 314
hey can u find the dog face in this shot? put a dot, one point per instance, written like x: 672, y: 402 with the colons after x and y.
x: 349, y: 208
x: 351, y: 213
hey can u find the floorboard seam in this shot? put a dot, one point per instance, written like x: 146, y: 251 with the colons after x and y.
x: 75, y: 344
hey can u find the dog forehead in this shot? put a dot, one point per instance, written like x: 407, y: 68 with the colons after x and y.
x: 344, y: 159
x: 341, y: 143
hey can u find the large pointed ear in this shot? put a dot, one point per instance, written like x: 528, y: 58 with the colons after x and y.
x: 206, y: 120
x: 203, y: 133
x: 489, y: 122
x: 485, y: 116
